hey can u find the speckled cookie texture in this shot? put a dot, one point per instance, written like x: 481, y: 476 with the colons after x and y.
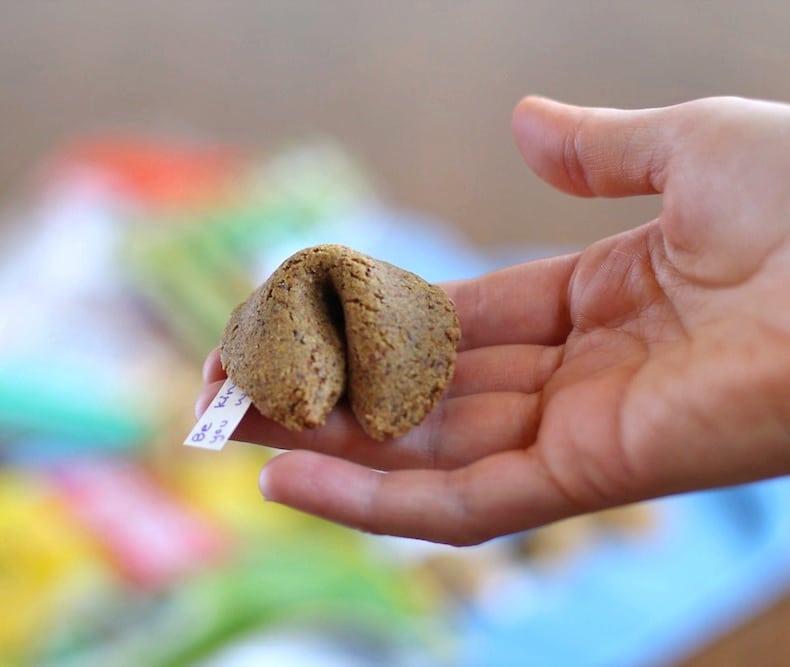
x: 331, y: 321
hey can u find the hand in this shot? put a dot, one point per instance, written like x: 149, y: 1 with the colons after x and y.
x: 654, y: 362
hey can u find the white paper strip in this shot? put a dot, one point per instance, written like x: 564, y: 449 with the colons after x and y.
x: 220, y: 419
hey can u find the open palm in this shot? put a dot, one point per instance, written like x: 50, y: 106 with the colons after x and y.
x: 654, y: 362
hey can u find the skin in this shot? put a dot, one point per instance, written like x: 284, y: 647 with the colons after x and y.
x: 654, y: 362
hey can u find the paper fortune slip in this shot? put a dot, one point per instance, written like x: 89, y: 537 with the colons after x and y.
x: 220, y: 419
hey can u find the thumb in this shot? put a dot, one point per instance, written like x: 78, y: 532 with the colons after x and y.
x: 594, y: 152
x: 722, y: 164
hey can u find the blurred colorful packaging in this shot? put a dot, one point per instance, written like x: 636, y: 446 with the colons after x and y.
x: 48, y: 566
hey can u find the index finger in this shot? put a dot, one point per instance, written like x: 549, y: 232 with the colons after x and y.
x: 522, y: 304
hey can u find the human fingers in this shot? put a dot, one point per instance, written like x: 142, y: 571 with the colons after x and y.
x: 458, y: 431
x: 206, y: 395
x: 445, y: 439
x: 720, y: 162
x: 503, y: 368
x: 526, y: 303
x: 500, y: 494
x: 212, y: 367
x: 594, y: 151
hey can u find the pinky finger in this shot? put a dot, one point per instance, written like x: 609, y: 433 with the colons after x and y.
x: 501, y: 494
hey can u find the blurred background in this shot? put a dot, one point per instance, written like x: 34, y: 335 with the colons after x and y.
x: 158, y: 160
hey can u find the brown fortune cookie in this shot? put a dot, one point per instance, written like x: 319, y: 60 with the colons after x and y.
x: 331, y: 321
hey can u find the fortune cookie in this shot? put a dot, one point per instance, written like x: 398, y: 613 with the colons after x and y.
x: 330, y: 322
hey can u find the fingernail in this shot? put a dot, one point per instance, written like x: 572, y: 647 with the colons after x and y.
x: 264, y: 483
x: 200, y: 406
x: 206, y: 365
